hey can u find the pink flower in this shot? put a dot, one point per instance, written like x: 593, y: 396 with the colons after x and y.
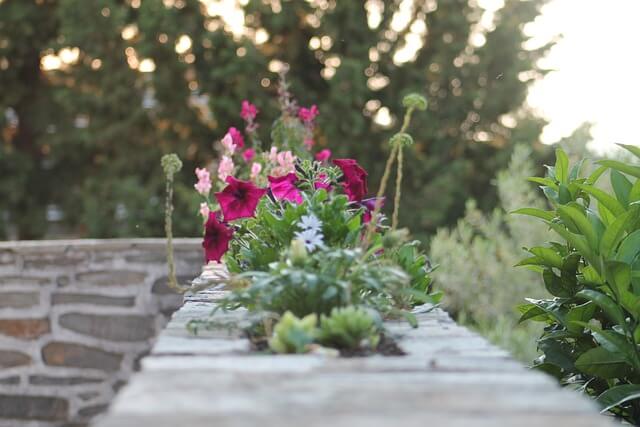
x: 273, y: 154
x: 228, y: 144
x: 203, y: 186
x: 354, y: 178
x: 237, y: 137
x: 248, y: 111
x: 204, y: 210
x: 216, y: 238
x: 225, y: 168
x: 323, y: 155
x: 285, y: 161
x: 308, y: 143
x: 248, y: 154
x: 322, y: 182
x: 256, y: 168
x: 308, y: 115
x: 239, y: 199
x: 284, y: 188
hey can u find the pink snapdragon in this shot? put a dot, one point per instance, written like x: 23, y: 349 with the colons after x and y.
x: 285, y: 161
x: 323, y: 155
x: 228, y: 144
x: 204, y: 210
x: 308, y: 115
x: 237, y: 137
x: 308, y: 143
x: 225, y: 168
x: 256, y: 168
x: 203, y: 186
x: 249, y: 111
x: 248, y: 154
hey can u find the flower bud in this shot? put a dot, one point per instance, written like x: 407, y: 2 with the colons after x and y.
x: 401, y: 140
x: 171, y: 164
x: 298, y: 252
x: 414, y: 100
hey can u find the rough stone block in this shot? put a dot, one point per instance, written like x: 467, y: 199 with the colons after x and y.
x: 112, y: 277
x: 92, y: 411
x: 34, y: 407
x: 22, y: 280
x: 67, y: 259
x: 161, y: 285
x: 13, y: 380
x: 80, y: 356
x: 61, y: 298
x: 69, y: 381
x: 110, y: 327
x: 19, y: 299
x: 7, y: 257
x: 24, y: 328
x: 10, y: 358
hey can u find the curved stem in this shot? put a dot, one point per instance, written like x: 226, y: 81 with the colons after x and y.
x: 396, y: 202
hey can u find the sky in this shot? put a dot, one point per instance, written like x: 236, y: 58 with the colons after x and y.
x: 597, y: 66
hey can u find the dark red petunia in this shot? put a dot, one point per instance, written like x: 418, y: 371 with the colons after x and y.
x: 284, y: 188
x: 239, y: 199
x: 216, y: 238
x: 354, y: 179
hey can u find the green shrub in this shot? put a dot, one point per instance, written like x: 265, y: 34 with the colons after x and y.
x: 350, y: 328
x: 593, y: 272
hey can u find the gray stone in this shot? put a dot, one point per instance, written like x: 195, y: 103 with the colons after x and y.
x: 92, y: 411
x: 111, y: 277
x: 60, y: 298
x: 80, y: 356
x: 26, y: 329
x: 19, y: 299
x: 161, y: 285
x: 110, y: 327
x: 69, y: 381
x: 33, y: 408
x: 10, y: 358
x: 7, y: 257
x: 13, y: 380
x: 47, y: 260
x: 88, y: 395
x: 22, y: 280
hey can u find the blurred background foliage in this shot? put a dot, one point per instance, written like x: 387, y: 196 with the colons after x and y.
x: 94, y: 92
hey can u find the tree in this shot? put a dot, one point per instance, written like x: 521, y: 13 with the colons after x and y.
x: 93, y: 95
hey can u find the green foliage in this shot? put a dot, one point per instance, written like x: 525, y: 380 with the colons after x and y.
x: 350, y: 328
x: 593, y: 322
x: 87, y: 136
x: 292, y: 334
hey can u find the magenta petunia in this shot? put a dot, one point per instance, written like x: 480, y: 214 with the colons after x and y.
x: 216, y: 238
x: 308, y: 115
x: 239, y: 199
x: 354, y: 179
x: 236, y: 137
x: 284, y: 188
x: 323, y: 155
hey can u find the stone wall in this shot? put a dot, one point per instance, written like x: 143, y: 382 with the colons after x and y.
x: 75, y: 319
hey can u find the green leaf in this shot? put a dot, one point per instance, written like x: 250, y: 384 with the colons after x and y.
x: 621, y: 187
x: 608, y: 201
x: 619, y: 274
x: 575, y: 170
x: 578, y: 242
x: 574, y: 219
x: 618, y: 395
x: 562, y: 166
x: 613, y: 234
x: 629, y: 247
x: 602, y: 363
x: 622, y: 167
x: 538, y: 213
x: 615, y: 343
x: 634, y: 149
x: 595, y: 175
x: 564, y: 195
x: 547, y: 182
x: 549, y: 256
x: 634, y: 194
x: 610, y: 308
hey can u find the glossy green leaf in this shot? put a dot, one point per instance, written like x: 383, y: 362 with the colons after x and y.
x: 618, y: 395
x: 619, y: 274
x: 547, y: 182
x: 576, y: 220
x: 595, y: 175
x: 562, y: 166
x: 634, y: 194
x: 549, y: 256
x: 614, y: 233
x: 608, y: 201
x: 538, y: 213
x: 633, y: 149
x: 610, y: 308
x: 622, y: 167
x: 602, y: 363
x: 577, y: 241
x: 621, y: 187
x: 629, y: 248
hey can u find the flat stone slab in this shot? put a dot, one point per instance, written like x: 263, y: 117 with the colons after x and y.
x: 450, y: 377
